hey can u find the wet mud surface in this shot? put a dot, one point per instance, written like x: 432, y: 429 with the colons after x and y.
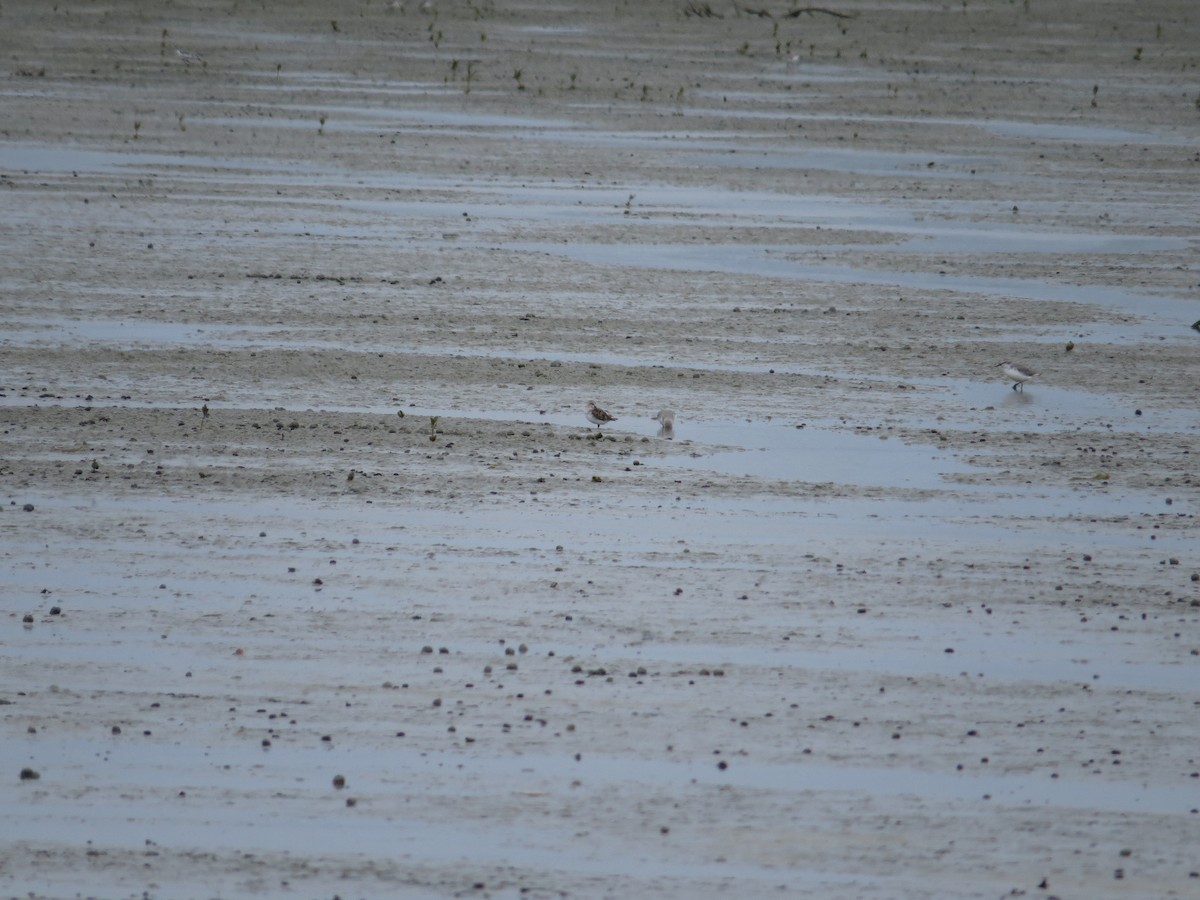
x: 317, y: 581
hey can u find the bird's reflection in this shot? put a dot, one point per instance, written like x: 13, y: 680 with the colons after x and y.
x: 1019, y: 398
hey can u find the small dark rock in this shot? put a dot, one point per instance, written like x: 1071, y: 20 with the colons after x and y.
x: 28, y: 774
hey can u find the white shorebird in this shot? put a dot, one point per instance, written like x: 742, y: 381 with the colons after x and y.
x: 666, y: 419
x: 1018, y: 373
x: 598, y: 416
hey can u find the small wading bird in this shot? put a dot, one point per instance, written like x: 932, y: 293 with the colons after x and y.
x: 1018, y: 373
x: 666, y: 418
x: 598, y: 416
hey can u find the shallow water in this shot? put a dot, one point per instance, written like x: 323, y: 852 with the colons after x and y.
x: 1168, y: 316
x: 815, y: 455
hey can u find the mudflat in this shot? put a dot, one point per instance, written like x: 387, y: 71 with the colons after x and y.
x: 317, y: 580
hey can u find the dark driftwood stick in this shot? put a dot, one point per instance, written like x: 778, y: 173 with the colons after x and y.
x: 813, y: 10
x: 764, y: 13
